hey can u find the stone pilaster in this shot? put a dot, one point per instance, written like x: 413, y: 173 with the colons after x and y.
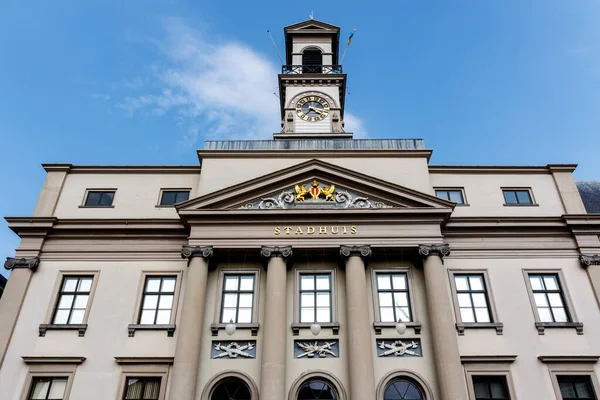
x: 360, y: 357
x: 274, y: 337
x: 451, y: 380
x: 591, y: 262
x: 189, y: 336
x: 13, y: 297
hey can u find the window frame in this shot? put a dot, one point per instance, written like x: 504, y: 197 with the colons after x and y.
x: 334, y: 324
x: 48, y: 322
x: 568, y: 303
x: 163, y: 190
x: 571, y: 366
x: 494, y: 320
x: 91, y: 190
x: 489, y: 366
x: 144, y: 367
x: 460, y: 189
x: 170, y: 327
x: 378, y: 325
x: 511, y: 188
x: 50, y: 367
x: 253, y: 326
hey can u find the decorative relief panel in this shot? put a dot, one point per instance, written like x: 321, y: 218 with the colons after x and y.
x: 399, y: 348
x: 231, y: 349
x: 314, y: 195
x: 316, y: 349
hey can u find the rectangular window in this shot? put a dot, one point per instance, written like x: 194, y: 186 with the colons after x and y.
x: 575, y: 387
x: 99, y: 198
x: 548, y: 297
x: 170, y: 197
x: 490, y: 387
x: 142, y: 388
x: 517, y: 196
x: 72, y: 300
x: 157, y: 300
x: 455, y: 195
x: 238, y: 299
x: 472, y: 298
x: 315, y: 298
x: 48, y: 388
x: 393, y: 296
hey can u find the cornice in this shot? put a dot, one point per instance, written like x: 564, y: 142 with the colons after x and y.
x: 569, y: 359
x: 488, y: 359
x: 144, y: 360
x: 419, y: 153
x: 127, y: 169
x: 507, y: 169
x: 57, y: 167
x: 459, y: 222
x: 52, y: 360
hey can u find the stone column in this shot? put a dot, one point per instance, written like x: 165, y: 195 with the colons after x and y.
x: 451, y: 380
x: 14, y: 294
x: 360, y: 344
x: 272, y: 381
x: 187, y: 350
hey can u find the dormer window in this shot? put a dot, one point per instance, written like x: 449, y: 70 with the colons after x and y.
x: 312, y: 61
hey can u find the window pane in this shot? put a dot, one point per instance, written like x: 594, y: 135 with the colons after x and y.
x: 168, y: 198
x: 510, y: 197
x: 399, y: 282
x: 182, y: 196
x: 93, y: 199
x: 147, y: 317
x: 247, y: 283
x: 482, y: 315
x: 498, y: 390
x: 540, y: 299
x: 442, y: 194
x: 40, y: 388
x: 536, y: 282
x: 323, y: 315
x: 560, y: 315
x: 401, y: 299
x: 150, y: 302
x: 464, y: 300
x: 168, y: 285
x: 567, y: 390
x: 523, y: 197
x: 85, y: 284
x: 153, y: 284
x: 163, y: 317
x: 461, y: 283
x: 481, y: 390
x: 66, y: 301
x: 81, y: 301
x: 166, y: 302
x: 476, y: 282
x: 307, y: 282
x: 383, y: 282
x: 230, y: 300
x: 403, y: 314
x: 466, y: 315
x: 106, y: 198
x: 61, y: 317
x: 385, y: 299
x: 322, y: 299
x: 229, y: 314
x: 307, y: 315
x: 545, y: 315
x: 246, y: 300
x: 551, y: 282
x: 583, y: 389
x: 70, y: 285
x: 387, y: 314
x: 555, y: 299
x: 231, y: 283
x: 57, y: 390
x: 456, y: 196
x: 323, y: 282
x: 77, y: 316
x: 307, y: 300
x: 245, y: 315
x: 479, y: 300
x: 152, y: 390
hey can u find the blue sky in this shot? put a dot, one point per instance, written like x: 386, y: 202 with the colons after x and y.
x: 145, y: 82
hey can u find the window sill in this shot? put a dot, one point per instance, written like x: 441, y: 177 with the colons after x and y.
x: 81, y: 328
x: 541, y: 326
x: 460, y: 327
x: 521, y: 205
x: 165, y: 206
x: 380, y: 325
x: 214, y: 328
x: 296, y: 326
x: 170, y: 328
x: 97, y: 206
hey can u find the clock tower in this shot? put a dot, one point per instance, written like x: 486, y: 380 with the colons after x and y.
x: 312, y: 85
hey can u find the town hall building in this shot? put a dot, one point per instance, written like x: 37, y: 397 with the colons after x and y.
x: 310, y: 266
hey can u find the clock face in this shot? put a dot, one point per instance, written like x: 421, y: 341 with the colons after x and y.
x: 312, y: 108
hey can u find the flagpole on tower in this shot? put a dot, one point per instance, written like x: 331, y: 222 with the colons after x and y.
x: 348, y: 45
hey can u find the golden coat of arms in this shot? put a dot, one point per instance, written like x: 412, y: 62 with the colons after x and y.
x: 315, y: 190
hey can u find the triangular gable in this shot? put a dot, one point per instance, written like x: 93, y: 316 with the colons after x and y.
x: 311, y: 24
x: 351, y: 190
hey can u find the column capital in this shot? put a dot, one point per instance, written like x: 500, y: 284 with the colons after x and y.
x: 276, y: 251
x: 441, y: 250
x: 587, y: 260
x: 190, y: 252
x: 29, y: 263
x: 360, y: 251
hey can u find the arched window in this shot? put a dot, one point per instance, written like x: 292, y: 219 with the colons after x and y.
x: 314, y: 389
x: 402, y: 389
x: 312, y: 61
x: 231, y: 389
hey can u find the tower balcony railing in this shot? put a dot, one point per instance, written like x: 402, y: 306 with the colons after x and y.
x: 311, y: 69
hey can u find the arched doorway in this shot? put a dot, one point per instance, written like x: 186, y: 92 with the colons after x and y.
x: 401, y: 388
x: 312, y: 61
x: 231, y: 389
x: 317, y: 389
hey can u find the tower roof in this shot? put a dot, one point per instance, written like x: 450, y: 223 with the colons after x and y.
x: 311, y: 27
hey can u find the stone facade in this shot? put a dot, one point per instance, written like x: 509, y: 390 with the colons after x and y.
x: 329, y: 266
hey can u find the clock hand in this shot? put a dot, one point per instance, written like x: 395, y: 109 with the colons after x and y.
x: 318, y: 111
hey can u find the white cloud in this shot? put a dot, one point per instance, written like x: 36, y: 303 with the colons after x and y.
x: 355, y: 125
x: 215, y: 89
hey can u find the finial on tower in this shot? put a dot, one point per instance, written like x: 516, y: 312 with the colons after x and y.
x: 311, y: 16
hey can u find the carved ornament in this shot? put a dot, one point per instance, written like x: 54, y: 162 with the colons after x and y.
x: 190, y: 252
x: 441, y: 250
x: 29, y: 263
x: 233, y: 350
x: 399, y: 348
x: 587, y: 260
x: 318, y: 349
x: 276, y: 251
x: 361, y: 251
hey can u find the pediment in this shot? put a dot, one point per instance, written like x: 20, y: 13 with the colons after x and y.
x: 314, y: 185
x: 311, y: 24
